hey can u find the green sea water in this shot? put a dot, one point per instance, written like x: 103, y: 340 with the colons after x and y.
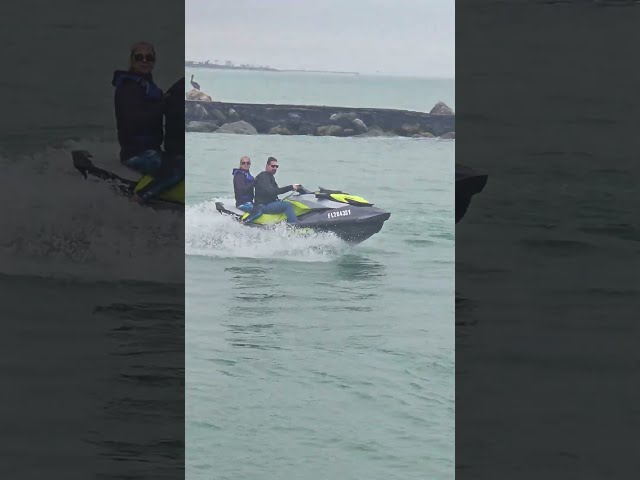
x: 308, y: 358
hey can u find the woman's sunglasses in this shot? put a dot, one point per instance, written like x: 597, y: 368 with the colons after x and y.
x: 139, y: 57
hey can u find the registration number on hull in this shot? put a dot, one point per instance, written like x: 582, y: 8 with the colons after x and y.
x: 339, y: 213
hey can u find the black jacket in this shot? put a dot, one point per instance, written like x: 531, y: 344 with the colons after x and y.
x: 267, y: 190
x: 139, y: 109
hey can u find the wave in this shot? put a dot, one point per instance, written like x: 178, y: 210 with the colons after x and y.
x: 209, y: 234
x: 57, y: 224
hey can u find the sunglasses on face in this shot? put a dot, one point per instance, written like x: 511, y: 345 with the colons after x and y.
x: 139, y: 57
x: 245, y: 163
x: 274, y: 166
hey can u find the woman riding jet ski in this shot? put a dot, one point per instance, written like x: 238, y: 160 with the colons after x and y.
x: 350, y: 217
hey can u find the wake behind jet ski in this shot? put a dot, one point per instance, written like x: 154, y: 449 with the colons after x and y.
x: 468, y: 184
x: 350, y: 217
x: 172, y: 199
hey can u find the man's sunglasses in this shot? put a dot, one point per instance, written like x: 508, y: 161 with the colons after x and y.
x: 138, y: 57
x: 274, y: 166
x: 245, y: 163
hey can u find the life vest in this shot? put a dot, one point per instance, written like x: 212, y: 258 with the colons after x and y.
x: 152, y: 91
x: 245, y: 197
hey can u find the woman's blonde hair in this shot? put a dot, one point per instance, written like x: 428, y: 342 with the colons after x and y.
x: 137, y: 45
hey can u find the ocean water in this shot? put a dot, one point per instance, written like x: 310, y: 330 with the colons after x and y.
x: 298, y: 88
x: 308, y: 358
x: 87, y: 305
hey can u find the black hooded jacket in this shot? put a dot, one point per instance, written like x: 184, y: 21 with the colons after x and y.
x: 139, y: 107
x: 267, y: 190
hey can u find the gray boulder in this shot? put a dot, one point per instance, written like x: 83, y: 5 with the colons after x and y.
x: 279, y: 130
x: 408, y: 129
x: 345, y: 120
x: 376, y: 131
x: 239, y: 128
x: 441, y: 108
x: 424, y: 135
x: 448, y: 135
x: 293, y: 120
x: 232, y: 116
x: 359, y: 126
x: 200, y: 127
x: 219, y: 117
x: 347, y: 132
x: 330, y: 131
x: 200, y: 113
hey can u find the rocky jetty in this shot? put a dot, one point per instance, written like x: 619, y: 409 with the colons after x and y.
x: 244, y: 118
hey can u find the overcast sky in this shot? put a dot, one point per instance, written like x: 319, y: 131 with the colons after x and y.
x: 392, y: 37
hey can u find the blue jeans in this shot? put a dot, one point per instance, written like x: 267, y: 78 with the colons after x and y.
x: 150, y: 162
x: 281, y: 207
x: 274, y: 207
x: 246, y: 207
x: 147, y: 162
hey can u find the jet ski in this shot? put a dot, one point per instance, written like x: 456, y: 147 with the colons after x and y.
x: 172, y: 199
x: 468, y: 183
x: 350, y: 217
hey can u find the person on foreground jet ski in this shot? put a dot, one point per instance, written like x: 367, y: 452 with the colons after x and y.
x: 243, y: 185
x: 139, y: 110
x: 266, y: 194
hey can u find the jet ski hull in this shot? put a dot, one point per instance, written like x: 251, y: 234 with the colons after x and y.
x: 468, y: 184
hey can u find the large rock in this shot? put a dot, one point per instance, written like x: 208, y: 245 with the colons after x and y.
x: 200, y: 127
x: 200, y: 113
x: 330, y: 131
x: 345, y: 120
x: 219, y: 117
x: 448, y: 135
x: 307, y: 129
x: 424, y: 135
x: 279, y: 130
x: 441, y: 108
x: 376, y: 131
x: 359, y: 126
x: 240, y: 128
x: 198, y: 96
x: 408, y: 129
x: 232, y: 116
x: 293, y: 120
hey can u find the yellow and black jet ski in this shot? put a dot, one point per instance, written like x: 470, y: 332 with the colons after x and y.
x: 350, y: 217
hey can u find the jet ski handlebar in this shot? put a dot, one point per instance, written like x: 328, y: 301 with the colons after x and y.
x: 303, y: 190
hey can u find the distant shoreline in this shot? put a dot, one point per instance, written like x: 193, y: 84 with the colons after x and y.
x: 212, y: 66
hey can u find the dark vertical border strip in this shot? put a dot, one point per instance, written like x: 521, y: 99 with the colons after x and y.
x: 547, y: 254
x: 91, y: 285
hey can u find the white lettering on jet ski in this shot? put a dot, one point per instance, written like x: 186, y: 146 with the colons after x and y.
x: 339, y: 213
